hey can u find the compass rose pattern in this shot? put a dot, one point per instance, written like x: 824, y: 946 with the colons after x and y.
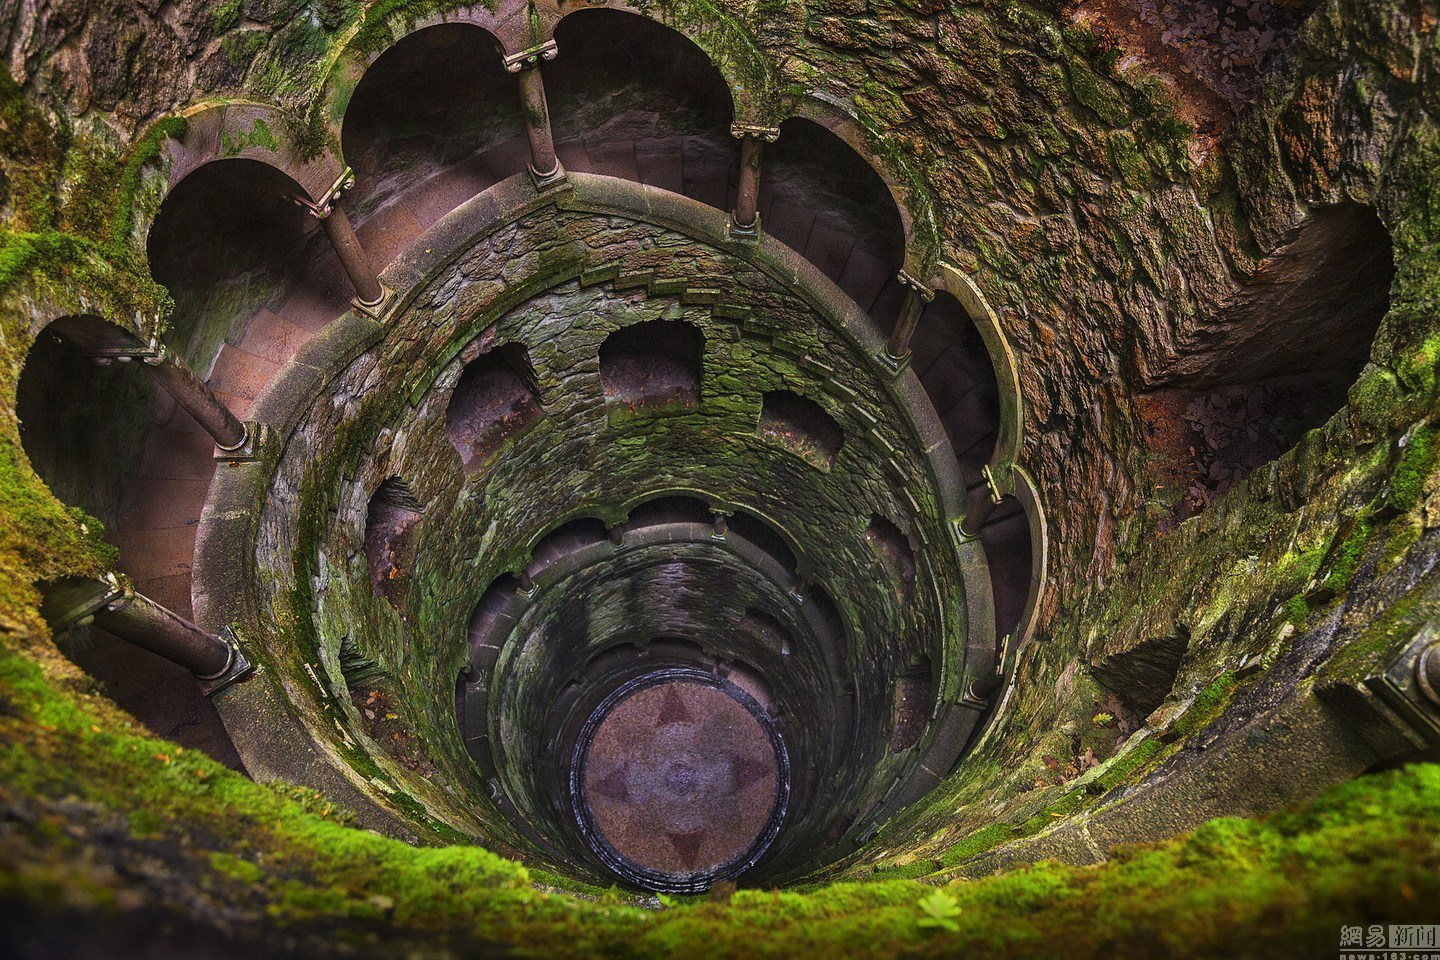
x: 680, y: 778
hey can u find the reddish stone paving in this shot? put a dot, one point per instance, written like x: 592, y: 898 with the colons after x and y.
x: 681, y: 778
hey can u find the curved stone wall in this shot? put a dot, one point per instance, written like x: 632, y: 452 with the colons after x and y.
x: 546, y: 280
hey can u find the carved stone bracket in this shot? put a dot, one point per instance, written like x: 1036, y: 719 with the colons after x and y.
x: 924, y: 291
x: 525, y: 59
x: 322, y: 208
x: 758, y: 131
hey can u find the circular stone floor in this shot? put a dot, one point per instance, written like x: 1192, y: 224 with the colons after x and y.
x: 682, y: 781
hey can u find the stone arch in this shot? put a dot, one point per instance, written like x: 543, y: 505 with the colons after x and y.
x: 251, y: 131
x: 1027, y: 494
x: 841, y: 118
x: 82, y: 425
x: 828, y: 203
x: 1010, y: 441
x: 729, y: 46
x: 229, y: 238
x: 436, y: 99
x: 634, y: 99
x: 368, y: 40
x: 1274, y: 360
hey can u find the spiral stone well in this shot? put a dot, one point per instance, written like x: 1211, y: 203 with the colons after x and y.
x: 717, y: 477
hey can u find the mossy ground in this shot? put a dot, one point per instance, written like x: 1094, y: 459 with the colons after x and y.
x: 87, y: 796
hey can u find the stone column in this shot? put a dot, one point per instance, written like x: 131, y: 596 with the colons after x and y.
x: 112, y: 606
x: 369, y: 294
x: 145, y: 623
x: 980, y: 512
x: 745, y: 219
x: 719, y: 524
x: 353, y: 258
x: 545, y: 166
x: 234, y: 439
x: 917, y: 295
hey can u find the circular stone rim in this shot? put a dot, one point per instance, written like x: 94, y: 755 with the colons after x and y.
x: 657, y: 880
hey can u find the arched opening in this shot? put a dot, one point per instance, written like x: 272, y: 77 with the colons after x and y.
x: 914, y: 693
x: 762, y: 535
x: 1009, y: 552
x: 1274, y: 362
x: 631, y: 98
x: 495, y: 400
x: 676, y: 509
x: 892, y: 548
x: 88, y: 432
x: 954, y: 366
x: 573, y: 535
x: 821, y: 199
x: 802, y: 426
x: 769, y: 631
x: 652, y: 367
x: 435, y: 120
x: 488, y: 625
x: 251, y: 275
x: 391, y: 523
x: 83, y: 426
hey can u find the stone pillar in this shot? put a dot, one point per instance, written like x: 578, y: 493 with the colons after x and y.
x: 112, y: 606
x: 145, y: 623
x: 234, y: 439
x: 545, y: 166
x: 1427, y: 672
x: 369, y: 294
x: 917, y: 295
x: 353, y: 258
x: 745, y: 219
x: 980, y: 512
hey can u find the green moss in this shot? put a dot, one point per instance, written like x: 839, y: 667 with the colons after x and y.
x: 119, y: 286
x: 1353, y: 852
x: 1417, y: 464
x: 259, y: 135
x: 377, y: 30
x: 1296, y: 611
x: 1396, y: 626
x: 241, y: 47
x: 1346, y: 556
x: 225, y: 16
x: 31, y: 151
x: 235, y: 867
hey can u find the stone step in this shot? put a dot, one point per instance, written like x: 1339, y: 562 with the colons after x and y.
x: 574, y: 156
x: 864, y: 276
x: 829, y: 245
x: 615, y: 160
x: 270, y: 336
x: 661, y: 165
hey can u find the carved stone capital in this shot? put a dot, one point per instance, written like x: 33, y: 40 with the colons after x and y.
x: 322, y: 208
x: 525, y: 59
x: 742, y: 130
x: 921, y: 288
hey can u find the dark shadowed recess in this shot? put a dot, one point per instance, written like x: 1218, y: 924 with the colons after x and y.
x: 229, y: 239
x: 824, y: 201
x: 633, y: 99
x: 439, y: 102
x: 652, y: 366
x: 801, y: 426
x: 1275, y: 361
x: 495, y: 399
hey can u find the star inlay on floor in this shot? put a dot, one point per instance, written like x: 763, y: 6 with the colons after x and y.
x: 681, y: 778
